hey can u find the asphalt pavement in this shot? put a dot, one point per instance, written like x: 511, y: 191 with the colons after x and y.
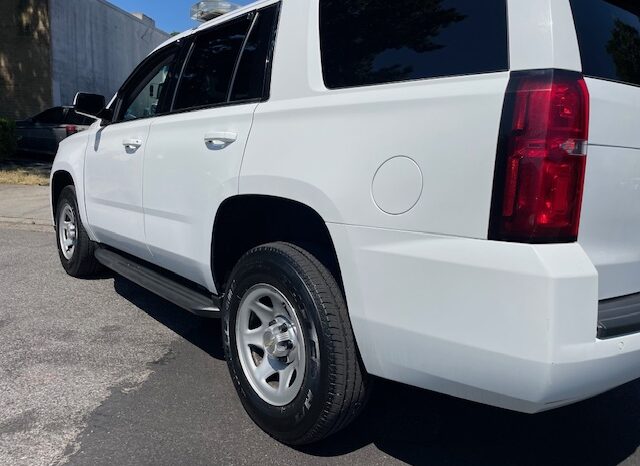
x: 101, y: 372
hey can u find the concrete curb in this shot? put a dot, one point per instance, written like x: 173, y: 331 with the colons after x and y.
x: 21, y: 224
x: 26, y: 227
x: 25, y: 221
x: 25, y: 205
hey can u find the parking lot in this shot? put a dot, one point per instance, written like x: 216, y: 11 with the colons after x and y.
x: 103, y: 372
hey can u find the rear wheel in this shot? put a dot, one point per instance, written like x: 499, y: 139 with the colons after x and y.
x: 289, y: 345
x: 74, y: 246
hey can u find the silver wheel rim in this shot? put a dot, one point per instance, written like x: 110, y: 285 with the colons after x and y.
x: 270, y: 345
x: 67, y: 231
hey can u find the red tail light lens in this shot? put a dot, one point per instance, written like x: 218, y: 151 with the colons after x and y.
x: 71, y: 129
x: 541, y: 159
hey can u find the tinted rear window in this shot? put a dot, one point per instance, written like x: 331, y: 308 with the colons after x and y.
x: 609, y: 38
x: 367, y: 42
x: 207, y: 76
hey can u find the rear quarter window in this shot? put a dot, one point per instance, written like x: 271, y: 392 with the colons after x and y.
x: 609, y: 38
x: 367, y: 42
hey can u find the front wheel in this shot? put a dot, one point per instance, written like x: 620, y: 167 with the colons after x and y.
x: 290, y: 347
x: 74, y: 246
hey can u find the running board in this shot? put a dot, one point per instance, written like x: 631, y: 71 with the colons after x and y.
x: 193, y: 301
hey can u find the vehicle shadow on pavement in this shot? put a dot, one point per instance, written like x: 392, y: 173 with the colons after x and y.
x: 204, y: 333
x: 421, y: 427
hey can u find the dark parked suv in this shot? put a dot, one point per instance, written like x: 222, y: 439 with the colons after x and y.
x: 42, y: 133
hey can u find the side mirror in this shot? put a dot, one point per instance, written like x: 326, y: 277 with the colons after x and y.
x: 90, y: 105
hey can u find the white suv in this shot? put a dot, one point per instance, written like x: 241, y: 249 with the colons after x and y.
x: 380, y: 188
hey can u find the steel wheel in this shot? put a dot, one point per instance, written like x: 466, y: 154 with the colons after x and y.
x: 289, y: 345
x: 270, y: 345
x: 67, y: 231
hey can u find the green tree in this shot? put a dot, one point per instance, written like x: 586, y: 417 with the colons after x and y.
x: 624, y: 47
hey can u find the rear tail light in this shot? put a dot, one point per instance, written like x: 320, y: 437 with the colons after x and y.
x: 71, y: 129
x: 541, y: 160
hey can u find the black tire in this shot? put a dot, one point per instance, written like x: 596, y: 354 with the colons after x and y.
x: 335, y: 386
x: 82, y: 263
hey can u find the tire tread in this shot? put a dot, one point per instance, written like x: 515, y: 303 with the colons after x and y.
x: 348, y: 384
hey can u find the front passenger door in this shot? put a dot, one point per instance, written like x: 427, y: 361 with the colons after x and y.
x: 115, y: 157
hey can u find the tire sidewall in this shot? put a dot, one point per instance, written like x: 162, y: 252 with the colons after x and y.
x: 287, y: 423
x: 68, y: 196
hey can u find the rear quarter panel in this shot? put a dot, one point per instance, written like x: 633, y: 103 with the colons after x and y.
x: 323, y: 148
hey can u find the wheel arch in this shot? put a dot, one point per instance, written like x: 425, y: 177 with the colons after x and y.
x: 59, y: 180
x: 248, y: 220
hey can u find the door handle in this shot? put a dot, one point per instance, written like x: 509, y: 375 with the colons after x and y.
x: 220, y: 140
x: 132, y: 144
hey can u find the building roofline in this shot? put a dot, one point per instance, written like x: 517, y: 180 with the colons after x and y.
x: 215, y: 21
x: 130, y: 15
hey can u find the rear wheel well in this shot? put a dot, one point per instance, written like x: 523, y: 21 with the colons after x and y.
x: 244, y: 222
x: 61, y: 179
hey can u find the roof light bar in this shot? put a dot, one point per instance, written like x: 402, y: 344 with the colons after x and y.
x: 209, y: 9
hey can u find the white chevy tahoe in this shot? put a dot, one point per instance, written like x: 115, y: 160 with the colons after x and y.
x: 443, y: 193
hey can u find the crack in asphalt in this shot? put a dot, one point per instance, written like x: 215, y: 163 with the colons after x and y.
x: 75, y: 445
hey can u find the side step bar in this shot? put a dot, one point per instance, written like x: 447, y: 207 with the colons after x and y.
x: 193, y: 301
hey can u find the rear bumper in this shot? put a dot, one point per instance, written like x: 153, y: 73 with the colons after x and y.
x: 510, y: 325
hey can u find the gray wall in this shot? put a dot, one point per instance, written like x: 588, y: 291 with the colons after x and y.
x: 95, y: 46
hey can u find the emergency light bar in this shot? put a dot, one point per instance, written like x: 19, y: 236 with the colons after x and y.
x: 206, y: 10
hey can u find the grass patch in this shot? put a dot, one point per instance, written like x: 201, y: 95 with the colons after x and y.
x: 23, y: 176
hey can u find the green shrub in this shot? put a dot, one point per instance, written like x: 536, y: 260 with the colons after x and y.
x: 7, y: 138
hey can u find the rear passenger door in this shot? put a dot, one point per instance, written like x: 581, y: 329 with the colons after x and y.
x: 194, y: 154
